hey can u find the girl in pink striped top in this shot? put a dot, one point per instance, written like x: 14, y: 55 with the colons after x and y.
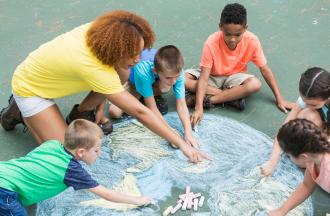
x: 307, y: 145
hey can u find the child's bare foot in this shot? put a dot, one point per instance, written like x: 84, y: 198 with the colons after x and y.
x: 267, y: 168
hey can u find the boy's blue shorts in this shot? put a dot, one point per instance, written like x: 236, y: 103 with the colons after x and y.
x: 9, y: 204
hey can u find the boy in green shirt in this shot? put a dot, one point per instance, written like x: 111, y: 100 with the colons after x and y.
x: 52, y: 167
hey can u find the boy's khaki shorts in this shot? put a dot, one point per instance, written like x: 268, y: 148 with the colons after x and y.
x: 222, y: 82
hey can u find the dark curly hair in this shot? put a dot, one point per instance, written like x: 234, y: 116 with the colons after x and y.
x: 233, y: 14
x: 300, y: 136
x: 169, y: 58
x: 117, y: 35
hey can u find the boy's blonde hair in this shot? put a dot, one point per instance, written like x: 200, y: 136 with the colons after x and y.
x: 82, y: 133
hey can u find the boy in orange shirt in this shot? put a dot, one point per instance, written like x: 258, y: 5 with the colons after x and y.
x: 222, y: 76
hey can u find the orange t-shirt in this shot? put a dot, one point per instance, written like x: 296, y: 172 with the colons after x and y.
x: 224, y: 62
x: 323, y: 177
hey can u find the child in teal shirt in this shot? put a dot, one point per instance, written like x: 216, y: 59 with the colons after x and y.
x: 52, y: 167
x: 151, y: 78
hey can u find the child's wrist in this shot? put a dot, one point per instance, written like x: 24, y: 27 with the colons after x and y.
x: 198, y: 107
x: 283, y: 210
x: 188, y: 135
x: 279, y: 98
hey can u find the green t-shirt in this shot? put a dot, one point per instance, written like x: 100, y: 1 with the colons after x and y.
x: 43, y: 173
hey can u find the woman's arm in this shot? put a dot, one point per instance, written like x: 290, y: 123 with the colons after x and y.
x: 133, y: 107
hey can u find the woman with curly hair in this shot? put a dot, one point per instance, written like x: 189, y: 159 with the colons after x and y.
x: 93, y: 57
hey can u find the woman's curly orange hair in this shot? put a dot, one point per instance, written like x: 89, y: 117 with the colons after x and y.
x: 117, y: 35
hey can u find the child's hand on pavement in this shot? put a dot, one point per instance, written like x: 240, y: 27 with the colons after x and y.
x: 190, y: 140
x: 267, y: 168
x: 285, y: 105
x: 194, y: 155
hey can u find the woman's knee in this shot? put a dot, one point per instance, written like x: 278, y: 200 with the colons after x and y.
x: 311, y: 115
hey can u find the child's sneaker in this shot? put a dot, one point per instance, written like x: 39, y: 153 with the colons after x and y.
x: 90, y: 116
x: 207, y: 102
x: 191, y: 101
x: 160, y: 102
x: 11, y: 115
x: 237, y: 104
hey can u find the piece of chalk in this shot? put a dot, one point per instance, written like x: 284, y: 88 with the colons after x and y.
x: 185, y: 203
x: 196, y: 195
x: 179, y: 201
x: 195, y: 204
x: 187, y: 190
x: 182, y: 196
x: 176, y: 208
x: 167, y: 211
x: 201, y: 201
x: 190, y: 202
x: 196, y: 129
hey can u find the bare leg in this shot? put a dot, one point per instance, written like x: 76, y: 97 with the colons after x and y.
x: 191, y: 85
x: 46, y: 125
x: 33, y: 132
x: 249, y: 86
x: 91, y: 101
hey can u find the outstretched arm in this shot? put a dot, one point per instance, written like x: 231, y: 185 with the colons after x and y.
x: 303, y: 191
x: 183, y: 113
x: 133, y: 107
x: 118, y: 197
x: 268, y: 167
x: 272, y: 83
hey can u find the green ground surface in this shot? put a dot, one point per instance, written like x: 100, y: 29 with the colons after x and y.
x: 295, y: 35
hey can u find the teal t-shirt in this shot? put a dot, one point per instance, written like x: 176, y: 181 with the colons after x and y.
x: 144, y: 77
x: 43, y: 173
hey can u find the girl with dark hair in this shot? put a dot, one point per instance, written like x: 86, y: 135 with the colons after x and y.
x: 306, y: 144
x: 313, y: 104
